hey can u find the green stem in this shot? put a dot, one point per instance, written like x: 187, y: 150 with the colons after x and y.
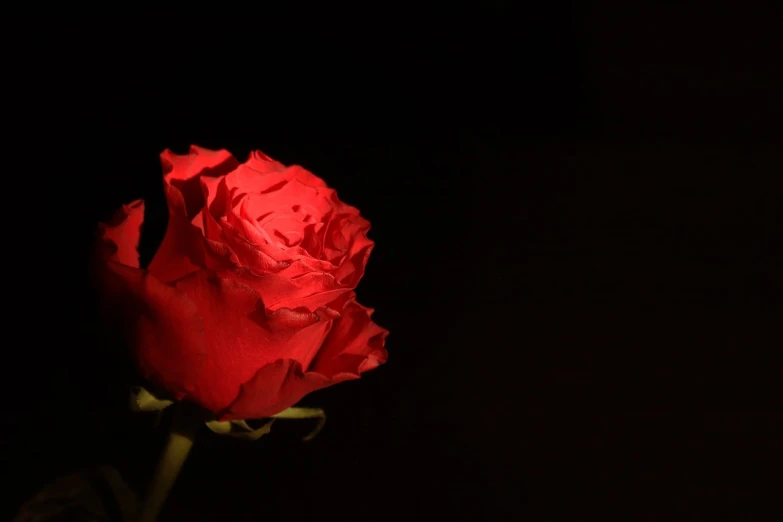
x: 184, y: 426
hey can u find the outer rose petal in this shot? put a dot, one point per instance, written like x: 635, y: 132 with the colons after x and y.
x: 172, y: 261
x: 345, y: 240
x: 249, y: 180
x: 262, y: 163
x: 274, y: 387
x: 164, y: 327
x: 121, y: 234
x: 210, y: 188
x: 184, y: 170
x: 181, y: 174
x: 354, y: 346
x: 352, y: 268
x: 240, y: 337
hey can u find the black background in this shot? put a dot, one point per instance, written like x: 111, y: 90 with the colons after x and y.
x: 575, y: 213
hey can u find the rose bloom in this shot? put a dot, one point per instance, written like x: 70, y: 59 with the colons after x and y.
x: 248, y: 304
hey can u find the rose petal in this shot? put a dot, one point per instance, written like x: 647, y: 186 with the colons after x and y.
x: 240, y: 336
x: 250, y: 255
x: 272, y: 389
x: 247, y: 180
x: 262, y: 163
x: 346, y: 244
x: 299, y: 320
x: 342, y: 207
x: 215, y: 194
x: 209, y: 189
x: 183, y: 171
x: 308, y: 200
x: 181, y: 174
x: 354, y: 345
x: 244, y: 221
x: 341, y: 233
x: 198, y: 161
x: 263, y: 242
x: 352, y: 268
x: 302, y: 263
x: 312, y: 242
x: 308, y: 178
x: 121, y: 235
x: 163, y: 325
x: 172, y: 260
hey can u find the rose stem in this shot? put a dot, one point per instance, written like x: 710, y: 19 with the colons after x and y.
x: 184, y: 426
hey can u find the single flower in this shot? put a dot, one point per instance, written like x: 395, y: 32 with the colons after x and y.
x: 248, y: 304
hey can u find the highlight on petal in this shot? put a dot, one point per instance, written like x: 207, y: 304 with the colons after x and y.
x: 262, y: 163
x: 185, y: 198
x: 294, y: 196
x: 198, y: 161
x: 184, y: 171
x: 273, y: 219
x: 305, y: 176
x: 120, y: 236
x: 249, y: 178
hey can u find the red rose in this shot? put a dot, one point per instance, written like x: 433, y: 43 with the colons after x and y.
x: 248, y: 304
